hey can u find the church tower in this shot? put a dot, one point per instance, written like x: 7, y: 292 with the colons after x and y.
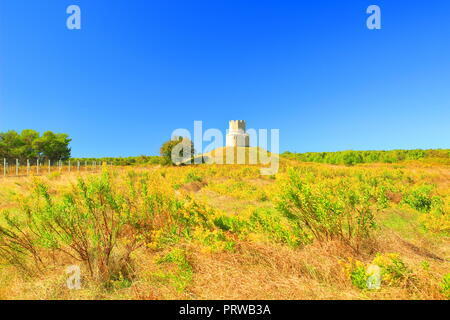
x: 237, y: 137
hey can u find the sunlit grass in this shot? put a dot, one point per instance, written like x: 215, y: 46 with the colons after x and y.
x: 170, y: 225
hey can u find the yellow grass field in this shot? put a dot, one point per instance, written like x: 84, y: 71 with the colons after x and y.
x: 226, y: 232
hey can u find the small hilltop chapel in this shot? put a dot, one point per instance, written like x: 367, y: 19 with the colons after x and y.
x: 236, y: 136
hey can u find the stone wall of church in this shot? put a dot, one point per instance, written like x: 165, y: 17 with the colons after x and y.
x: 237, y: 137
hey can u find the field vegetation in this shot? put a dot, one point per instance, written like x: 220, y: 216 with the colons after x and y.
x: 226, y: 232
x: 354, y: 157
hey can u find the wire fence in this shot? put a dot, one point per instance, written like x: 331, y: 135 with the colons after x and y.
x: 17, y: 168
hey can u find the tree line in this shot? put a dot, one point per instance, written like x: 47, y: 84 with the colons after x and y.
x: 355, y: 157
x: 122, y: 161
x: 165, y: 157
x: 30, y: 144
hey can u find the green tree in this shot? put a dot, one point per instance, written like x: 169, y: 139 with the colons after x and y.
x: 28, y: 138
x: 350, y: 158
x: 53, y: 146
x: 10, y: 145
x: 181, y: 148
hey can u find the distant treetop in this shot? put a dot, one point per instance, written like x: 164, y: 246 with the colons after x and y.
x: 30, y: 144
x: 354, y: 157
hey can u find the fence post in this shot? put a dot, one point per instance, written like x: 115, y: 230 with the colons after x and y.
x: 17, y: 167
x: 28, y: 167
x: 49, y: 164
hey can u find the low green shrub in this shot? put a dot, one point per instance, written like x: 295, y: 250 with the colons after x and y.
x: 419, y: 198
x: 327, y: 209
x: 181, y: 275
x: 445, y: 286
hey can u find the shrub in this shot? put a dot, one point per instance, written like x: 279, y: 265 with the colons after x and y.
x: 96, y: 223
x: 445, y: 286
x: 181, y: 275
x: 233, y: 224
x: 350, y: 158
x: 181, y: 148
x: 215, y: 240
x: 382, y: 198
x: 192, y: 177
x: 353, y: 157
x: 327, y: 210
x: 358, y: 276
x: 267, y: 223
x: 419, y: 198
x: 270, y: 223
x: 394, y: 271
x: 356, y: 272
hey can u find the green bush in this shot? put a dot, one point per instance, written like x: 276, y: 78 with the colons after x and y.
x: 185, y: 153
x: 233, y: 224
x: 327, y: 210
x: 192, y: 177
x: 181, y: 276
x: 269, y: 222
x: 359, y: 277
x: 419, y: 198
x: 445, y: 286
x: 394, y: 271
x: 121, y: 161
x: 97, y: 223
x: 355, y: 157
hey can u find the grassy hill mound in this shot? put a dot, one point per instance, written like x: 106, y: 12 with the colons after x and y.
x: 238, y: 155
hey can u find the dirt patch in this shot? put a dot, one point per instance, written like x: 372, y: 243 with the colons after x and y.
x: 394, y: 197
x: 195, y: 186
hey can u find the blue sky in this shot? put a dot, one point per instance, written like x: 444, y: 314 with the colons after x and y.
x: 138, y: 69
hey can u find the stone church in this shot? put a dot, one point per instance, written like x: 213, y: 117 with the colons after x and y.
x: 236, y: 136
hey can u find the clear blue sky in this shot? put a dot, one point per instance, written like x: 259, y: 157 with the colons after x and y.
x: 138, y: 69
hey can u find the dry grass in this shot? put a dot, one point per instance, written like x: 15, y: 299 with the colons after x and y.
x: 256, y: 267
